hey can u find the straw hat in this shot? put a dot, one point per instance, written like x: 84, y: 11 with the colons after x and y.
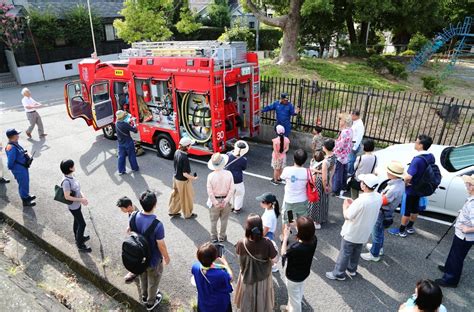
x: 395, y: 168
x: 240, y: 148
x: 120, y: 114
x: 468, y: 179
x: 217, y: 161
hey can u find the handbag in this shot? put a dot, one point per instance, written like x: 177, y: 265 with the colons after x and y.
x: 59, y: 194
x: 352, y: 181
x: 311, y: 189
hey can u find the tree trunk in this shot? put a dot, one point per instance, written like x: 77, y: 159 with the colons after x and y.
x: 363, y: 32
x: 351, y: 29
x: 289, y: 50
x: 322, y: 46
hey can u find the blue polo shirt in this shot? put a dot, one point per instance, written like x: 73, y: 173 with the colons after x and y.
x: 283, y: 114
x: 213, y: 289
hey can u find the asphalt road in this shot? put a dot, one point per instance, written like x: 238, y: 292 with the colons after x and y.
x: 381, y: 286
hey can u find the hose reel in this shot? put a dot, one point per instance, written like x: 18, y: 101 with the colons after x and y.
x: 196, y: 117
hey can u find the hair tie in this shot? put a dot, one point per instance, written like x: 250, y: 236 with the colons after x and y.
x: 256, y: 230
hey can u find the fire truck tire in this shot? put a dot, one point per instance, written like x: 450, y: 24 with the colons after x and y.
x: 165, y: 146
x: 109, y: 132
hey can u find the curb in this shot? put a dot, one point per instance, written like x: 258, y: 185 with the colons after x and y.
x: 76, y: 266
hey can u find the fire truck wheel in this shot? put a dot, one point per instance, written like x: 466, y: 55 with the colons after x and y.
x: 165, y: 146
x: 109, y: 132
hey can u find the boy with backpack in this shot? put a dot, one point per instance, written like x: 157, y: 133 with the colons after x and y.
x: 126, y: 206
x: 145, y: 250
x: 422, y: 179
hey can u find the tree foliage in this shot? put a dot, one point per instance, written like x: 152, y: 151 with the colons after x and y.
x: 218, y: 14
x: 144, y: 20
x: 239, y: 32
x: 187, y: 23
x: 77, y: 27
x: 9, y: 27
x: 45, y: 28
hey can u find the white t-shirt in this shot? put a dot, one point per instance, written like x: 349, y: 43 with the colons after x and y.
x: 358, y: 130
x: 28, y: 101
x: 269, y: 220
x: 361, y: 217
x: 295, y: 188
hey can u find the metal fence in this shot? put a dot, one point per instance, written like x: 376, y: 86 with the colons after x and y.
x: 389, y: 116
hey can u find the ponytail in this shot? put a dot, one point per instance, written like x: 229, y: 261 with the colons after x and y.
x: 282, y: 143
x: 276, y: 208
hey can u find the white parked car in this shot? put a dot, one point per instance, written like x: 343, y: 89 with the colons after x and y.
x: 310, y: 53
x: 453, y: 162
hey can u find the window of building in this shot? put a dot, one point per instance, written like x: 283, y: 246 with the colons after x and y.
x: 251, y: 25
x: 110, y: 32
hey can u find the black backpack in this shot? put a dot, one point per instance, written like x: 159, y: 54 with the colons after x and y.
x: 136, y: 251
x: 429, y: 180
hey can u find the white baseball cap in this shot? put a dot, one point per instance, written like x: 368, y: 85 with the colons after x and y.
x: 370, y: 180
x: 186, y: 141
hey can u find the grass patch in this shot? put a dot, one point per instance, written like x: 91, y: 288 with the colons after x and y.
x: 343, y: 71
x: 329, y: 101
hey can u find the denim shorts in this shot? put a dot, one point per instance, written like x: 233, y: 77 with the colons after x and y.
x: 270, y: 235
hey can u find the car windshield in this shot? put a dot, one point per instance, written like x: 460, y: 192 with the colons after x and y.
x: 457, y: 158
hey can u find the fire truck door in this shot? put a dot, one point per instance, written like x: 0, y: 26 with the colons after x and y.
x: 102, y: 109
x: 77, y: 101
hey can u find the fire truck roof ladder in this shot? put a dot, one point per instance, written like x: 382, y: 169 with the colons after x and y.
x: 225, y: 54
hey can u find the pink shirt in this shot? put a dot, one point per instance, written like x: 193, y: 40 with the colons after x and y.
x: 220, y: 183
x: 276, y: 147
x: 343, y: 145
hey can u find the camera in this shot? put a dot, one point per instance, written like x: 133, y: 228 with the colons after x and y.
x: 220, y: 249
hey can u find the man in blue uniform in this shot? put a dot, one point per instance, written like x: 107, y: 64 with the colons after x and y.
x: 126, y: 146
x: 284, y: 110
x: 18, y: 165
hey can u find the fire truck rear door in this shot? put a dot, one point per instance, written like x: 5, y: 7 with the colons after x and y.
x: 77, y: 101
x: 102, y: 109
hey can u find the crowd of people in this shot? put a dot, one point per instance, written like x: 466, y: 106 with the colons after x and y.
x: 346, y: 164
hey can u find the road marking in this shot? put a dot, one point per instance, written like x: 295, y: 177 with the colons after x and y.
x: 45, y: 104
x: 435, y: 220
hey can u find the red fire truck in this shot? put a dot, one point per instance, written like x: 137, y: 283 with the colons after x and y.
x: 206, y: 90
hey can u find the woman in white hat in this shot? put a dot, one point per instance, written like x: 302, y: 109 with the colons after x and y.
x: 237, y: 164
x: 220, y: 189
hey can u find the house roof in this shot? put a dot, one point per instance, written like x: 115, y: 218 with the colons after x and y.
x: 103, y: 8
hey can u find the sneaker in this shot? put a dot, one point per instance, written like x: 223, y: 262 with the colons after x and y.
x: 369, y: 247
x: 275, y: 268
x: 351, y: 274
x: 31, y: 197
x: 28, y: 203
x: 410, y: 230
x: 158, y: 299
x: 396, y: 232
x: 4, y: 181
x: 441, y: 268
x: 174, y: 215
x: 281, y: 181
x: 274, y: 182
x: 331, y: 276
x: 122, y: 173
x: 317, y: 226
x: 369, y: 257
x: 85, y: 238
x: 214, y: 240
x: 236, y: 211
x: 441, y: 282
x: 129, y: 278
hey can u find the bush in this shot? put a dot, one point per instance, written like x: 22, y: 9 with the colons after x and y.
x: 408, y: 53
x: 269, y: 38
x: 397, y: 70
x: 417, y: 42
x: 377, y: 62
x: 45, y: 28
x: 432, y: 84
x: 77, y: 27
x: 356, y: 50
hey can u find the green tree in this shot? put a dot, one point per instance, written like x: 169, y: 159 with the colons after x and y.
x: 218, y: 14
x: 45, y: 28
x: 239, y: 32
x: 144, y: 20
x: 288, y: 19
x: 77, y: 26
x: 187, y: 23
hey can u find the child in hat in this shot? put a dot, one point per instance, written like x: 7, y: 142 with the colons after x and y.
x: 281, y: 145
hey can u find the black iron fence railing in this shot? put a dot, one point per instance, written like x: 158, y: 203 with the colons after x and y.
x: 389, y: 116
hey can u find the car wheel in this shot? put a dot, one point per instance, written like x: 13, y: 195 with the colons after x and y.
x: 109, y: 132
x: 314, y: 56
x: 165, y: 146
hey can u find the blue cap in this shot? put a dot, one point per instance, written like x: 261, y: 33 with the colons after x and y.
x: 12, y: 132
x: 284, y: 95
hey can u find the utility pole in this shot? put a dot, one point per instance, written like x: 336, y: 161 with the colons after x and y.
x: 94, y: 55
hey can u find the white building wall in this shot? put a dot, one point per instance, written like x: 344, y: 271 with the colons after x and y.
x: 32, y: 73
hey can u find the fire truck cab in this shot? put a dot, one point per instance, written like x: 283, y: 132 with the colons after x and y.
x: 206, y: 90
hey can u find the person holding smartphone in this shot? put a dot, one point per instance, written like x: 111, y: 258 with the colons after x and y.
x: 212, y: 276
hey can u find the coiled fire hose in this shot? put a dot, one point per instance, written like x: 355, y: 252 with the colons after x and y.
x: 196, y: 119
